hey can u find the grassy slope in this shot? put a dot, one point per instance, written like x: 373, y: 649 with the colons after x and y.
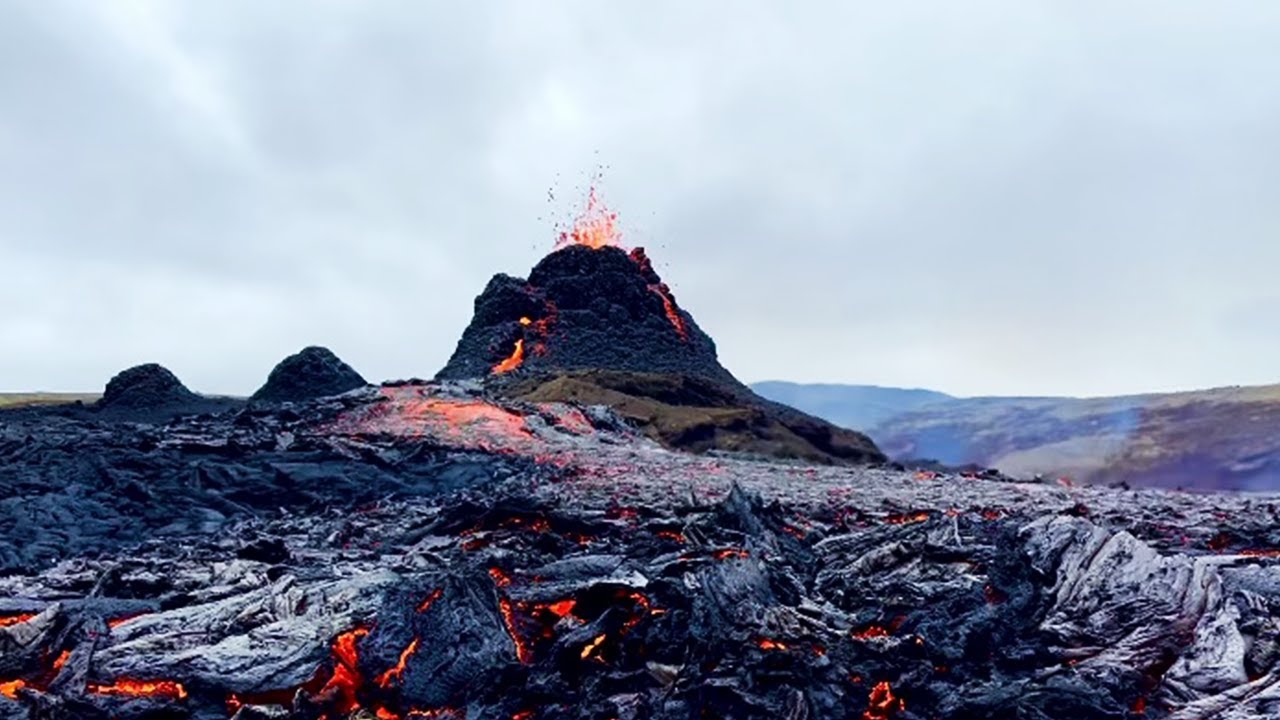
x: 12, y: 400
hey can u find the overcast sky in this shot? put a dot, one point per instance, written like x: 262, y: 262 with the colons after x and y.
x: 1012, y: 197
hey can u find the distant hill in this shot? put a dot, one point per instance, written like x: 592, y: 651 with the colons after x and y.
x: 1224, y: 438
x: 858, y: 407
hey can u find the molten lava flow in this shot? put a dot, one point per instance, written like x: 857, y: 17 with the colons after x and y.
x: 642, y: 608
x: 117, y: 622
x: 168, y: 689
x: 346, y: 678
x: 907, y: 519
x: 61, y: 661
x: 523, y: 653
x: 591, y: 646
x: 10, y: 689
x: 596, y: 227
x: 562, y: 608
x: 869, y: 632
x: 515, y: 360
x: 882, y: 704
x: 412, y: 412
x: 660, y: 289
x: 7, y: 620
x: 500, y: 578
x: 426, y: 604
x: 394, y: 673
x: 767, y: 644
x: 673, y: 312
x: 1260, y: 553
x: 727, y: 553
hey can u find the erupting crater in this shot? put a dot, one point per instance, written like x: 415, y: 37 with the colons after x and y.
x: 591, y: 303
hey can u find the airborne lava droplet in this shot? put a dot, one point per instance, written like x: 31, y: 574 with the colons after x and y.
x: 596, y: 227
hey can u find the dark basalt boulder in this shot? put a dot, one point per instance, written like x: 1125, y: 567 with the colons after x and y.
x: 145, y: 387
x: 314, y: 372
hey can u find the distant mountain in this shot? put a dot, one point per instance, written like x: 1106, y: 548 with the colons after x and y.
x: 1225, y: 438
x: 858, y: 407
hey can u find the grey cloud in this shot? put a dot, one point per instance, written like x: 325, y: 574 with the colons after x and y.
x: 995, y: 197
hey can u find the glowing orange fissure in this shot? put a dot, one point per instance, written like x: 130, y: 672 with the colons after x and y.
x: 426, y: 604
x: 907, y: 519
x: 346, y: 679
x: 168, y: 689
x: 882, y: 704
x: 394, y: 673
x: 513, y: 361
x: 10, y: 688
x: 662, y: 291
x: 7, y: 620
x: 592, y: 646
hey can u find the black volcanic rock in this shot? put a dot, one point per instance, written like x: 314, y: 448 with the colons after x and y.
x: 584, y: 308
x: 314, y: 372
x: 145, y: 387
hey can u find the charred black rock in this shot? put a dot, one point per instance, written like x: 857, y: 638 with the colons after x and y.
x: 145, y: 386
x: 584, y: 308
x: 315, y: 372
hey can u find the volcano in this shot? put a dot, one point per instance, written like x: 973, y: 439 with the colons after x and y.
x: 584, y: 308
x: 595, y: 324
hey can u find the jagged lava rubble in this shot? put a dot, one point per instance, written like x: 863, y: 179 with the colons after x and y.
x: 581, y: 571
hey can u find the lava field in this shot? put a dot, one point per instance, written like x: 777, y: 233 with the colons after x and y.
x: 422, y: 551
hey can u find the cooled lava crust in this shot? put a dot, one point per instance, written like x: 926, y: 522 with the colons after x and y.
x: 419, y: 551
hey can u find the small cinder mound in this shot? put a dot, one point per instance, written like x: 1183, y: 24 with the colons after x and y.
x: 146, y: 387
x: 314, y: 372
